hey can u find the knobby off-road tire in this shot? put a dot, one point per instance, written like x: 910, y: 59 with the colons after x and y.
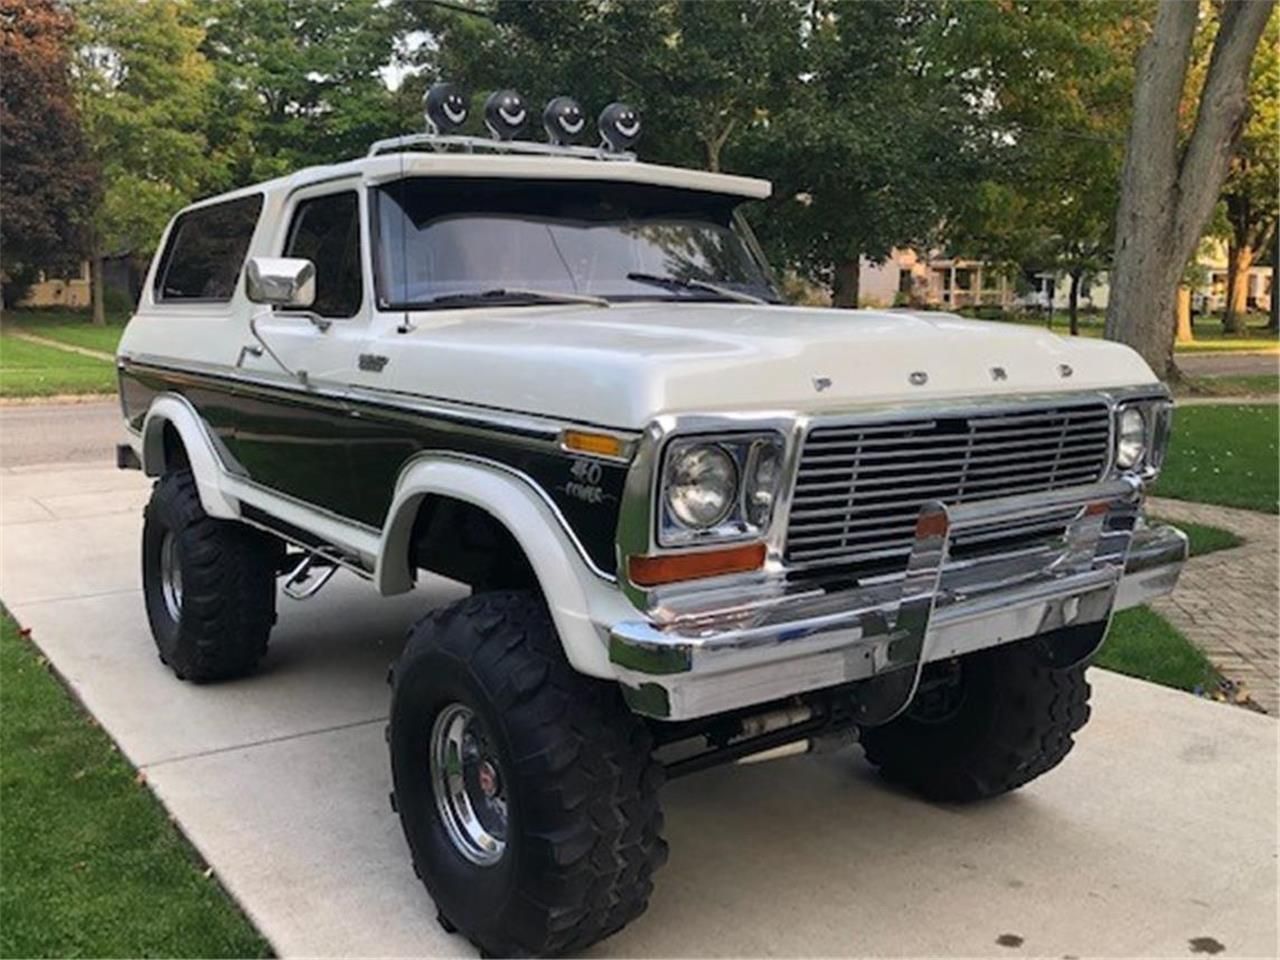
x: 1004, y: 719
x: 227, y: 596
x: 580, y: 785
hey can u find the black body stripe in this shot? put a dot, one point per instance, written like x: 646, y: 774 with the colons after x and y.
x: 344, y: 455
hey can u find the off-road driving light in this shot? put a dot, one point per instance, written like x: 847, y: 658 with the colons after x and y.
x: 1131, y: 437
x: 563, y: 120
x: 760, y: 488
x: 701, y: 483
x: 619, y: 127
x: 446, y: 108
x: 505, y: 114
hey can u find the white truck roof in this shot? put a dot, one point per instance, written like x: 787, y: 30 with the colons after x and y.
x: 385, y: 167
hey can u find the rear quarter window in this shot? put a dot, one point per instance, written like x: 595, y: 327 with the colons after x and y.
x: 205, y: 254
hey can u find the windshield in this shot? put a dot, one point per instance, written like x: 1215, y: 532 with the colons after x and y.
x: 442, y: 241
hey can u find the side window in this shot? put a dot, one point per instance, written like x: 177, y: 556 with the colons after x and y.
x: 205, y: 253
x: 326, y: 231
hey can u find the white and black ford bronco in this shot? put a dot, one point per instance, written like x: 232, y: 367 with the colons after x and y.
x: 699, y: 525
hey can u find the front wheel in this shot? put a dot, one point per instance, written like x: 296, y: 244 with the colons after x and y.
x: 209, y: 585
x: 527, y: 792
x: 982, y: 724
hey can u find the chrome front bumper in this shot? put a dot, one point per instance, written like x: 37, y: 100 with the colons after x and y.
x: 727, y: 648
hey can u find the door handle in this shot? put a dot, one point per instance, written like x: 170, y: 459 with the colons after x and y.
x: 301, y: 375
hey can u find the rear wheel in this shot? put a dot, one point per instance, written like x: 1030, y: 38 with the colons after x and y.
x: 982, y: 724
x: 527, y: 792
x: 210, y: 585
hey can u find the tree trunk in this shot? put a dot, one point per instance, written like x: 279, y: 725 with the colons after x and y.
x: 1167, y: 195
x: 1274, y: 324
x: 1073, y: 302
x: 95, y: 279
x: 845, y: 289
x: 1185, y: 333
x: 1239, y: 262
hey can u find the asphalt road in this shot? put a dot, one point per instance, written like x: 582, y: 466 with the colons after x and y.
x: 60, y: 433
x: 1236, y: 364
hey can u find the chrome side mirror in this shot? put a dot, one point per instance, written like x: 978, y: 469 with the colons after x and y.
x: 281, y: 281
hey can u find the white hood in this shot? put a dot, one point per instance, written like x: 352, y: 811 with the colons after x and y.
x: 623, y: 365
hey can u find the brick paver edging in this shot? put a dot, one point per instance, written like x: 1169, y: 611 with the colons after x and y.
x: 1227, y: 602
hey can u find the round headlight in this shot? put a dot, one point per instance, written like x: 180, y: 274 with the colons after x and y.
x: 761, y: 487
x: 701, y: 482
x: 1131, y: 440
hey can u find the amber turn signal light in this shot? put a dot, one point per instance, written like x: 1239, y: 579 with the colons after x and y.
x: 600, y: 444
x: 673, y: 567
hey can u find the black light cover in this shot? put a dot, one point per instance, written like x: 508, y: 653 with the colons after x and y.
x: 446, y: 107
x: 619, y: 127
x: 505, y: 114
x: 563, y: 120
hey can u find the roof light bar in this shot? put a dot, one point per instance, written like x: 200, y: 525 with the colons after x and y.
x: 505, y: 116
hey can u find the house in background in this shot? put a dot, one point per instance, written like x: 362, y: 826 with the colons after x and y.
x: 1212, y: 297
x: 123, y: 274
x: 949, y: 283
x: 70, y: 291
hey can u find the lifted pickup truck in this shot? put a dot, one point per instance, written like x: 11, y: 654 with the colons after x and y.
x: 699, y: 525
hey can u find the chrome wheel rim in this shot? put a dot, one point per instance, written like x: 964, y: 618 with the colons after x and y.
x: 469, y: 786
x: 171, y: 576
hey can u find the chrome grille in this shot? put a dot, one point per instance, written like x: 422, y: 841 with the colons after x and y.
x: 860, y: 487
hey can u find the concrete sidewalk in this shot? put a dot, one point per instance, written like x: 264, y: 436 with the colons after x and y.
x: 1157, y: 837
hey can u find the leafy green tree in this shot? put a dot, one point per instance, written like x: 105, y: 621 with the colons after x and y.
x: 49, y: 185
x: 299, y: 82
x: 145, y: 98
x: 838, y: 103
x: 1056, y: 79
x: 871, y: 145
x: 700, y: 73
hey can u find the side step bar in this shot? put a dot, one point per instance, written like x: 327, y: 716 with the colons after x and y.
x: 307, y: 579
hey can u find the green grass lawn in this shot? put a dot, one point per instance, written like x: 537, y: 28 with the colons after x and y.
x: 103, y: 339
x: 1143, y: 644
x: 1209, y: 337
x: 35, y: 370
x: 74, y: 327
x: 90, y: 864
x: 1261, y: 385
x: 1227, y: 455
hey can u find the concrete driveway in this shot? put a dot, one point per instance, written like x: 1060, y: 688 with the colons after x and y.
x: 1156, y: 838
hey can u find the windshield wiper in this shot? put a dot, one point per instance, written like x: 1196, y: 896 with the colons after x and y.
x: 679, y: 283
x: 508, y: 293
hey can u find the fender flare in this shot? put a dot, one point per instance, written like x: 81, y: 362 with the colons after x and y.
x: 206, y: 465
x: 568, y: 585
